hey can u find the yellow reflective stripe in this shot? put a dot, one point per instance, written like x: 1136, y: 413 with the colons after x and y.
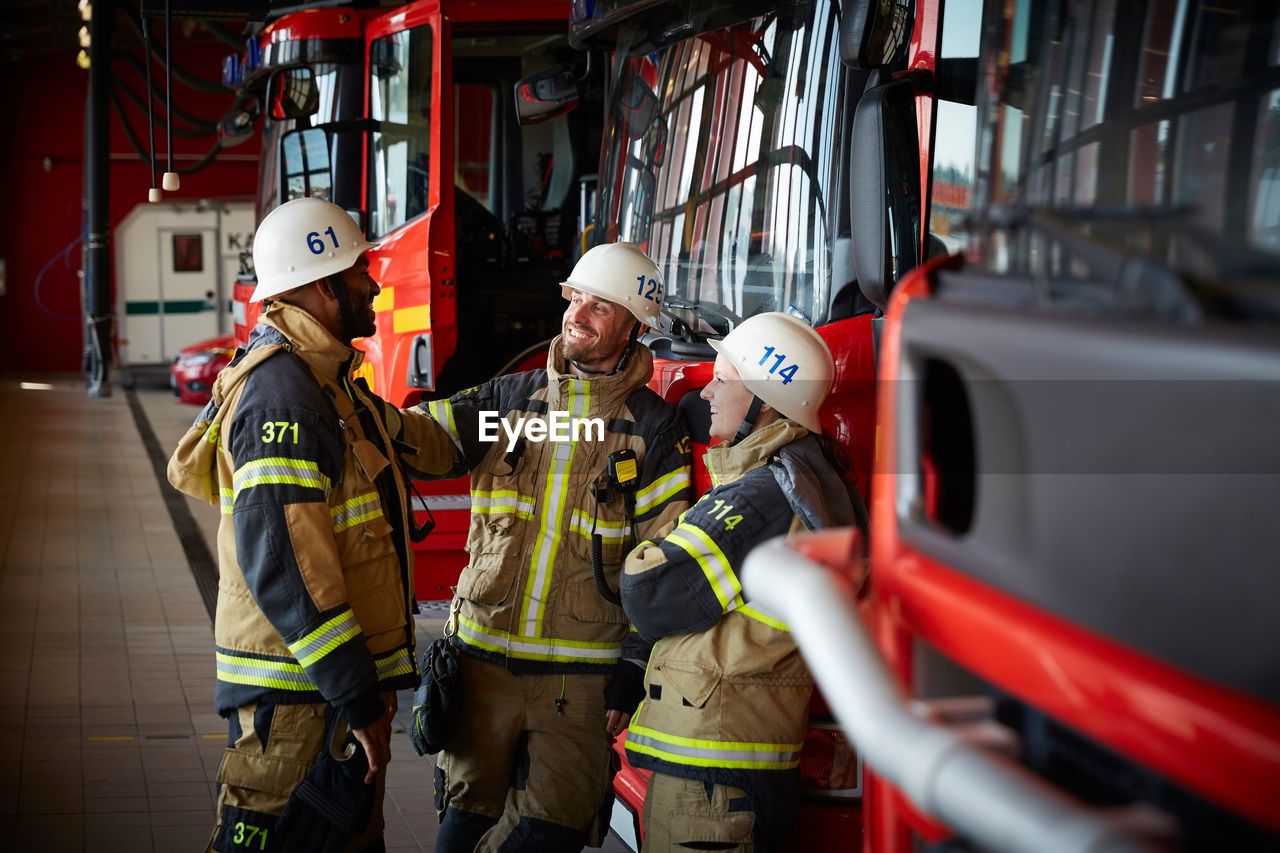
x: 414, y: 319
x: 398, y: 662
x: 359, y: 509
x: 662, y: 489
x: 716, y: 479
x: 536, y: 648
x: 611, y: 532
x: 326, y: 638
x: 741, y: 755
x: 750, y: 612
x: 279, y: 470
x: 442, y: 411
x: 280, y: 675
x: 554, y: 498
x: 227, y: 502
x: 502, y: 501
x: 714, y: 564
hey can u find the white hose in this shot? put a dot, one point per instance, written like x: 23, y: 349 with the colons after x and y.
x: 992, y: 801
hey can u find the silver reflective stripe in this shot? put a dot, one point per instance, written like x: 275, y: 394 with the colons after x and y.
x: 712, y: 753
x: 399, y: 662
x: 262, y: 673
x: 532, y: 648
x: 326, y: 638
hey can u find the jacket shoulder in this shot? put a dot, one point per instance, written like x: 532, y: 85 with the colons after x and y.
x: 283, y: 381
x: 652, y: 414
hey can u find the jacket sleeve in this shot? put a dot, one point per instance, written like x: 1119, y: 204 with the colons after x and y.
x: 686, y: 581
x: 666, y: 480
x: 286, y: 452
x: 467, y: 418
x: 426, y: 449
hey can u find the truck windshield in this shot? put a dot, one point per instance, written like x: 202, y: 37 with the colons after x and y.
x: 719, y: 161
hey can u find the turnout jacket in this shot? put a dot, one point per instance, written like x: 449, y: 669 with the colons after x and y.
x: 316, y: 575
x: 726, y: 691
x: 527, y: 598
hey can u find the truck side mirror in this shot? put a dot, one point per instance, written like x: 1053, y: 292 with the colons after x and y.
x: 874, y: 33
x: 292, y: 93
x: 546, y: 94
x: 885, y: 196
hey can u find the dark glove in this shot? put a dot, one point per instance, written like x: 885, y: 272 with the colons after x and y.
x: 332, y: 803
x: 625, y: 688
x: 437, y: 703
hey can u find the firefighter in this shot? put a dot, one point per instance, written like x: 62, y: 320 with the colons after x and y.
x: 726, y: 692
x: 313, y: 630
x: 546, y: 682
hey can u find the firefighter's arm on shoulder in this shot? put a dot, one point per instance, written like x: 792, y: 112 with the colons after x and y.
x: 425, y: 447
x: 459, y: 420
x: 666, y: 483
x: 286, y: 460
x: 686, y: 581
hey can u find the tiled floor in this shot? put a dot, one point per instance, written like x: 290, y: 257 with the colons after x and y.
x: 108, y: 740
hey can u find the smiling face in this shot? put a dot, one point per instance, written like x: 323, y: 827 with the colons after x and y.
x: 595, y: 332
x: 730, y: 399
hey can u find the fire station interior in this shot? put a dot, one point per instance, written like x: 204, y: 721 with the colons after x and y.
x: 1070, y: 584
x: 109, y: 576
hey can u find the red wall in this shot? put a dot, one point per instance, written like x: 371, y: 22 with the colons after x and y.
x: 44, y: 100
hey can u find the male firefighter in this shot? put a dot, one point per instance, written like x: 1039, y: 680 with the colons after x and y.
x: 726, y: 691
x: 313, y: 627
x: 545, y: 681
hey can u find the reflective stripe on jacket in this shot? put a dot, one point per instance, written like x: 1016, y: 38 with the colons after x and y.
x: 726, y: 691
x: 528, y: 598
x: 315, y: 563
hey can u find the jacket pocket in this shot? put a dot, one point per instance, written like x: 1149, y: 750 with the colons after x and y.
x: 588, y: 605
x: 485, y: 586
x: 693, y: 682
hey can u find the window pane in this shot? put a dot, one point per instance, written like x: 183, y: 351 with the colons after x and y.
x: 400, y: 100
x: 1264, y: 226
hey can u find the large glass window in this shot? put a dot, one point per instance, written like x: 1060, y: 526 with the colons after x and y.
x: 400, y: 144
x: 720, y: 161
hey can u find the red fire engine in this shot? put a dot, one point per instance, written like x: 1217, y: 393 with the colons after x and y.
x: 1053, y: 228
x: 405, y: 118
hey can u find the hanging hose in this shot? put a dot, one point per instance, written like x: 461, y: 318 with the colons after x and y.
x: 170, y: 180
x: 152, y: 194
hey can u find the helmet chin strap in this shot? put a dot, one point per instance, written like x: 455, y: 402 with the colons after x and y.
x: 622, y: 359
x: 748, y: 422
x: 339, y: 288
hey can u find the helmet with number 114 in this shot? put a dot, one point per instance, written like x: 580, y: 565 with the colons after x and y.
x: 784, y: 362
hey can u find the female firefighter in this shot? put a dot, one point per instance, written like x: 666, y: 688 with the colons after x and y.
x: 726, y: 691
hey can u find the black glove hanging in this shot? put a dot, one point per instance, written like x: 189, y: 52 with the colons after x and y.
x: 332, y: 803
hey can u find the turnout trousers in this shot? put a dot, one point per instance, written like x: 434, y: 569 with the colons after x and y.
x: 269, y: 751
x: 532, y: 756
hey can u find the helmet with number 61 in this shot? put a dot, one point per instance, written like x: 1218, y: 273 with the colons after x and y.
x: 621, y: 273
x: 784, y: 362
x: 302, y: 241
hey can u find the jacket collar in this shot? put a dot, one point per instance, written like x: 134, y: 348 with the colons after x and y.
x: 599, y: 393
x: 726, y: 463
x: 324, y: 353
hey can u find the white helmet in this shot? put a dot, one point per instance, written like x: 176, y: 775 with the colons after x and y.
x: 621, y: 273
x: 784, y: 362
x: 302, y: 241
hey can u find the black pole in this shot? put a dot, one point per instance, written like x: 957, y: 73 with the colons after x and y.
x: 99, y: 315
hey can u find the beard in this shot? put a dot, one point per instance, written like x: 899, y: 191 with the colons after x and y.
x: 592, y: 353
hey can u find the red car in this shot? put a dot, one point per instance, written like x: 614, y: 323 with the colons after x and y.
x: 193, y: 370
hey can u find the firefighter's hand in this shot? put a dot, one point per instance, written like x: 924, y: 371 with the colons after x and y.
x: 376, y: 740
x: 616, y: 721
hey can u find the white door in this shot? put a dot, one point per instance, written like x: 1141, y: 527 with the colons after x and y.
x: 190, y: 291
